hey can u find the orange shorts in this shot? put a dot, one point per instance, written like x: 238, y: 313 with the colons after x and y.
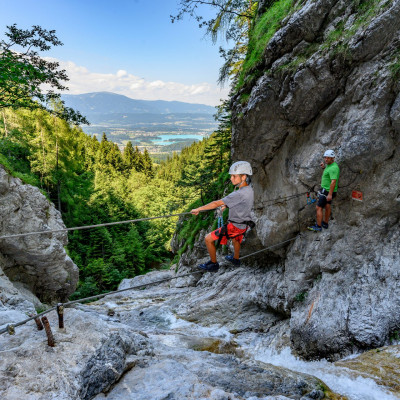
x: 232, y: 231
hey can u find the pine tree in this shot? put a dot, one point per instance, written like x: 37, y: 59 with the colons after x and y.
x: 129, y: 156
x: 138, y: 160
x: 147, y: 164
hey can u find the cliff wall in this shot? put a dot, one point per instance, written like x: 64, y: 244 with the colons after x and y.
x: 339, y: 289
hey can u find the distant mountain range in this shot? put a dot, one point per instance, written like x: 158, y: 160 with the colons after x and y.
x: 109, y: 103
x: 123, y: 119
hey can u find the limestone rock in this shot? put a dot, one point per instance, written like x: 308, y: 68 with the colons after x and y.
x: 39, y: 262
x: 338, y: 289
x: 90, y: 355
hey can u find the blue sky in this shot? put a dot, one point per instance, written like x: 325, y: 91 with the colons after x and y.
x: 126, y: 46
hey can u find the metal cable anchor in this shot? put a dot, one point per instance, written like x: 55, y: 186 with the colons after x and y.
x: 50, y: 337
x: 60, y: 312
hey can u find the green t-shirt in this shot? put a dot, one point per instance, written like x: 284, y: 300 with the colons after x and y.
x: 330, y: 172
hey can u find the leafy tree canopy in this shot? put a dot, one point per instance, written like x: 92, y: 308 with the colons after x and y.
x: 22, y: 73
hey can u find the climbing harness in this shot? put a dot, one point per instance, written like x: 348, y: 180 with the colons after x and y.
x: 310, y: 200
x: 223, y: 232
x: 223, y: 228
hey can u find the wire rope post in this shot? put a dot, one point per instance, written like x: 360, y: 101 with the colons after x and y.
x: 39, y: 324
x: 60, y: 313
x: 50, y: 337
x: 11, y: 329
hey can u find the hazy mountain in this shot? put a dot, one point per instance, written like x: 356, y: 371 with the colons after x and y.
x: 140, y: 121
x: 109, y: 103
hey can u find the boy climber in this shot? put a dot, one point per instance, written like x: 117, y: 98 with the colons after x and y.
x: 240, y: 203
x: 329, y: 186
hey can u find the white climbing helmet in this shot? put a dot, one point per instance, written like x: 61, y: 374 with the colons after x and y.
x: 330, y: 153
x: 240, y: 168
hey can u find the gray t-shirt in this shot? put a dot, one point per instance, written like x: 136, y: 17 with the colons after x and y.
x: 240, y: 203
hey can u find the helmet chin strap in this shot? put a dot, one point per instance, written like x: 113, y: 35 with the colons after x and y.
x: 240, y: 184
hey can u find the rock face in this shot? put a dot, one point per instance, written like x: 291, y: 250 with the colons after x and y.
x: 132, y: 346
x: 37, y: 263
x: 176, y: 341
x: 90, y: 355
x: 340, y: 289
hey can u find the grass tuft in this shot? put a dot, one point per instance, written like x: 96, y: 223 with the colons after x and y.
x: 262, y: 33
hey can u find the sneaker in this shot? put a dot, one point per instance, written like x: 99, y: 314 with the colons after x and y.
x: 314, y: 228
x: 209, y: 266
x: 324, y: 225
x: 233, y: 260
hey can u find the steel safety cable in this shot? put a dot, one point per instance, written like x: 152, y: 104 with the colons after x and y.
x: 93, y: 226
x: 99, y: 296
x: 269, y: 247
x: 70, y: 303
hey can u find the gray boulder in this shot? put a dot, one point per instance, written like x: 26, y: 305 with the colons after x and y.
x: 39, y: 262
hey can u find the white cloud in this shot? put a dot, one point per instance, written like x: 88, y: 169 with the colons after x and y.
x: 122, y: 82
x: 157, y: 84
x: 121, y: 73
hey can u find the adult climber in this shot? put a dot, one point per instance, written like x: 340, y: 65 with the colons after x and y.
x: 240, y: 203
x: 329, y: 186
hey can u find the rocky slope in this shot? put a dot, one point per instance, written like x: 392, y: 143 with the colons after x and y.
x: 338, y: 291
x: 159, y: 343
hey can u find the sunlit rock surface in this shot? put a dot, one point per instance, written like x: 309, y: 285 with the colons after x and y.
x: 133, y: 346
x: 151, y: 344
x: 90, y: 355
x: 38, y: 262
x: 382, y: 365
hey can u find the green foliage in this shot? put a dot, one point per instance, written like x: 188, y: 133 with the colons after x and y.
x: 337, y: 40
x: 260, y: 35
x: 301, y: 296
x: 39, y: 310
x: 86, y: 288
x: 92, y: 182
x: 394, y: 336
x: 244, y: 98
x: 22, y: 73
